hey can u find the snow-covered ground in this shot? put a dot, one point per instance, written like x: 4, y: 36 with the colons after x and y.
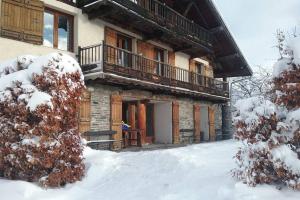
x: 194, y: 172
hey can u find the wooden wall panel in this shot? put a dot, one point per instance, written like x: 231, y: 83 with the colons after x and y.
x: 175, y: 122
x: 211, y: 118
x: 197, y: 119
x: 85, y: 112
x: 116, y: 120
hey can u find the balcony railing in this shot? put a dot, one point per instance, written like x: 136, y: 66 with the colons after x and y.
x: 125, y: 63
x: 166, y: 17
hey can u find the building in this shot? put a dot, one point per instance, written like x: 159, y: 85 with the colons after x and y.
x: 159, y: 65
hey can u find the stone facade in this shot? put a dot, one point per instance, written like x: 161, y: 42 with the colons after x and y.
x: 101, y: 102
x: 100, y: 106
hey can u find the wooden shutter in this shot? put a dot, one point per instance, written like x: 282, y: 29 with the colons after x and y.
x: 175, y: 122
x: 192, y: 65
x: 110, y: 37
x: 85, y: 112
x: 197, y: 123
x: 211, y: 118
x: 23, y: 20
x: 116, y: 120
x: 33, y: 21
x: 12, y: 19
x: 171, y: 60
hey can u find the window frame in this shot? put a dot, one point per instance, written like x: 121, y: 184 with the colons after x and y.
x: 70, y: 18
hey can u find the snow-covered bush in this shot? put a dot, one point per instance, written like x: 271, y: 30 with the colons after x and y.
x: 270, y: 131
x: 39, y: 138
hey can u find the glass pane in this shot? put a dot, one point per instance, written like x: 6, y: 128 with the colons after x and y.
x: 63, y: 32
x: 48, y: 29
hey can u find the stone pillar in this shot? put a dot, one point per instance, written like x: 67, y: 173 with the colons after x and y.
x: 226, y: 121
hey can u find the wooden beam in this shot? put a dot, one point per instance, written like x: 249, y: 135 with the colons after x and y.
x: 183, y: 48
x: 216, y: 29
x: 188, y: 8
x: 231, y: 56
x: 155, y: 35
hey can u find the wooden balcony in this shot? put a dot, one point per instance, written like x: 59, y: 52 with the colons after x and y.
x: 154, y: 20
x: 110, y: 59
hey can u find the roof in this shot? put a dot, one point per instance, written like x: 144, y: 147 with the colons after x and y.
x: 230, y: 60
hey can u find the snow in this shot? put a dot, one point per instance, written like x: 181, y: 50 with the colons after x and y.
x: 251, y: 109
x: 191, y: 173
x: 23, y: 68
x: 288, y: 157
x: 38, y: 98
x: 292, y: 56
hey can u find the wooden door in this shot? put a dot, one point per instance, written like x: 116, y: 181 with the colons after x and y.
x: 85, y: 112
x: 116, y: 120
x: 197, y: 123
x: 175, y: 122
x: 211, y: 117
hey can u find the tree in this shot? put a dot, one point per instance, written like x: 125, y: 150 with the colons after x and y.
x: 258, y: 84
x: 270, y: 130
x: 39, y: 137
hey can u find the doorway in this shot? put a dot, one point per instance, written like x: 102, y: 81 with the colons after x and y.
x: 150, y: 123
x: 204, y: 123
x: 140, y: 116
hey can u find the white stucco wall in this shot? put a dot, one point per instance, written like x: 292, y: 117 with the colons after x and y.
x: 163, y: 123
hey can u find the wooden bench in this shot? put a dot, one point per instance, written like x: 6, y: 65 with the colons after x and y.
x: 187, y: 135
x: 100, y: 140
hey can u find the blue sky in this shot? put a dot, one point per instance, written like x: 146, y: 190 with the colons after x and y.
x: 253, y: 24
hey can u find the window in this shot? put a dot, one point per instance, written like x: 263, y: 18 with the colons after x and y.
x: 124, y: 57
x: 58, y: 30
x: 159, y: 56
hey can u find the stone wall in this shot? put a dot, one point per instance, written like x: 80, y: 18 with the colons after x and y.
x: 186, y: 118
x: 100, y: 106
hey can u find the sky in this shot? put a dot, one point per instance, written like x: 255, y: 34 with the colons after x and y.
x: 253, y: 24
